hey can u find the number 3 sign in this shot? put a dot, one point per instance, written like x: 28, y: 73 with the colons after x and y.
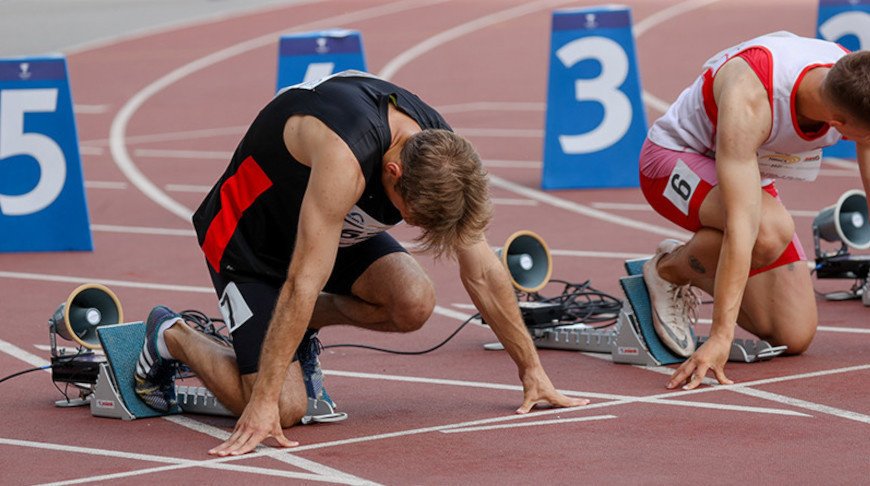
x: 595, y: 123
x: 42, y: 200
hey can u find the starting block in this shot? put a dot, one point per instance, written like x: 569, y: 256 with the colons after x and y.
x: 114, y: 395
x: 633, y: 339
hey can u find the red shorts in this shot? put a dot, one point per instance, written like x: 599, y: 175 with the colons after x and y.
x: 676, y: 183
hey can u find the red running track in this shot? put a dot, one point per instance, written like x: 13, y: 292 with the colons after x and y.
x: 175, y: 104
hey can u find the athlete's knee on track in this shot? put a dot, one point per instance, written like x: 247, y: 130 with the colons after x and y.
x: 773, y: 238
x: 412, y: 308
x: 293, y: 410
x: 797, y: 337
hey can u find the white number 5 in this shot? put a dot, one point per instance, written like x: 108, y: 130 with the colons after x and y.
x: 14, y: 141
x: 603, y: 89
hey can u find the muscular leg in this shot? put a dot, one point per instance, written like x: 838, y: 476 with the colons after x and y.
x: 394, y: 295
x: 778, y: 305
x: 215, y: 365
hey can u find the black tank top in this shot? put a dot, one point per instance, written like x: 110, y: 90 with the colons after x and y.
x: 247, y: 223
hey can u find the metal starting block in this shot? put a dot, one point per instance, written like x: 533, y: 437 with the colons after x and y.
x: 633, y: 340
x: 114, y: 396
x: 321, y: 411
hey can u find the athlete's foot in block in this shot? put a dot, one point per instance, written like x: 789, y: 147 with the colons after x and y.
x: 674, y: 307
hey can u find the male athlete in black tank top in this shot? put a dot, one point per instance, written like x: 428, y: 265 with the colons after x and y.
x: 294, y: 234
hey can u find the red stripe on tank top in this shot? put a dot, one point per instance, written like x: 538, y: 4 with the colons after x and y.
x: 237, y: 194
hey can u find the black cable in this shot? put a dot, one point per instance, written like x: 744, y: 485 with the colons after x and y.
x: 407, y: 353
x: 19, y: 373
x: 597, y: 308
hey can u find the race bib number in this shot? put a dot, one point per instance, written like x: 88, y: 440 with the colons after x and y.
x: 234, y: 308
x: 802, y: 166
x: 681, y: 186
x: 359, y: 226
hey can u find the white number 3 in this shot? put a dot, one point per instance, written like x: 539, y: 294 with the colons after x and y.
x: 603, y: 89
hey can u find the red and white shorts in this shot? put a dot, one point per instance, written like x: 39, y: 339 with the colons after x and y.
x: 676, y: 183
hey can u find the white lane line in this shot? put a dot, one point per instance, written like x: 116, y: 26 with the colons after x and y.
x: 571, y: 206
x: 114, y: 185
x: 744, y: 389
x: 90, y: 109
x: 200, y: 133
x: 500, y: 132
x: 648, y: 23
x: 464, y: 384
x: 605, y: 396
x: 854, y: 330
x: 599, y: 254
x: 174, y: 463
x: 185, y: 23
x: 505, y: 201
x: 513, y: 164
x: 83, y: 150
x: 108, y: 282
x: 528, y: 424
x: 195, y: 188
x: 647, y: 208
x: 118, y: 130
x: 851, y: 165
x: 142, y: 230
x: 443, y: 37
x: 29, y: 358
x: 184, y: 154
x: 798, y: 403
x: 286, y: 458
x: 491, y: 106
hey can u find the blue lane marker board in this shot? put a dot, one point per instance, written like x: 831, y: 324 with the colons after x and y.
x: 310, y: 56
x: 846, y: 22
x: 42, y: 197
x: 595, y: 122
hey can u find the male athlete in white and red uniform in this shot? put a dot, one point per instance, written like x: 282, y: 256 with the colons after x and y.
x: 761, y: 110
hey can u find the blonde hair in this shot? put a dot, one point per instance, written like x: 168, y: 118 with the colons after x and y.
x: 847, y: 84
x: 445, y: 188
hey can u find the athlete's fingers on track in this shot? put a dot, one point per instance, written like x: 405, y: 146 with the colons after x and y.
x: 720, y: 376
x: 682, y: 373
x: 697, y: 377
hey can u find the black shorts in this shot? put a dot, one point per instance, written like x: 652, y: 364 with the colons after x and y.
x: 247, y: 306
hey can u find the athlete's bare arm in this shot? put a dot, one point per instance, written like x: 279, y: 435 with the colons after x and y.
x: 863, y: 151
x: 336, y: 183
x: 488, y: 284
x: 744, y: 123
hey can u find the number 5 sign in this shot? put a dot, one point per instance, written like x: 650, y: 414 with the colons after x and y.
x: 42, y: 200
x: 848, y: 23
x: 595, y: 124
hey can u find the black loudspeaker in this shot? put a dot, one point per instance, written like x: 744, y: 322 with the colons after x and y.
x: 87, y: 308
x: 527, y: 258
x: 846, y: 221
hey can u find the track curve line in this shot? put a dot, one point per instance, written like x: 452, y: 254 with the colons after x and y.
x: 118, y: 130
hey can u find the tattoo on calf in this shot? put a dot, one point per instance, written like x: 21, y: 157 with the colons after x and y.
x: 696, y: 265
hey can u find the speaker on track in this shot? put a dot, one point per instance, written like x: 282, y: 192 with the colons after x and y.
x: 527, y: 258
x: 846, y: 221
x: 88, y: 307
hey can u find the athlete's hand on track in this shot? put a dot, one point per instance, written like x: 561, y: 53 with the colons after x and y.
x: 712, y: 355
x: 259, y: 420
x: 537, y: 389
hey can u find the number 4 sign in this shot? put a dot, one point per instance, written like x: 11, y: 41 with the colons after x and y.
x: 42, y: 200
x: 595, y: 123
